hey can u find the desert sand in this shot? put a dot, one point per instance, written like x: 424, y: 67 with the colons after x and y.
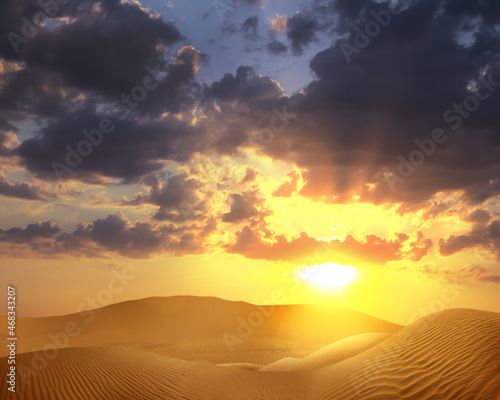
x: 176, y: 348
x: 200, y: 328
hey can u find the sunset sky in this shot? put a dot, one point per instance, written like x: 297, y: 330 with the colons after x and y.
x: 217, y: 148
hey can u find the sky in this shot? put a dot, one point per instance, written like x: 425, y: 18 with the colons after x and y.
x: 159, y: 148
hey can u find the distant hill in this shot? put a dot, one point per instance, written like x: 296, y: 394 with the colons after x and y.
x: 194, y: 328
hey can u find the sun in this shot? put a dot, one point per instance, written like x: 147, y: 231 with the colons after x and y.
x: 330, y: 275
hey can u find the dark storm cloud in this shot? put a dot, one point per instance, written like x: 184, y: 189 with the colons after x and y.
x: 38, y: 230
x: 238, y: 104
x: 355, y: 119
x: 139, y: 239
x: 176, y: 197
x: 10, y: 21
x: 486, y: 237
x: 250, y: 27
x: 243, y: 206
x: 38, y: 92
x: 169, y: 193
x: 21, y: 190
x: 301, y: 31
x: 131, y: 150
x: 179, y: 89
x: 46, y: 93
x: 361, y: 117
x: 101, y: 53
x: 105, y: 48
x: 487, y: 9
x: 250, y: 176
x: 276, y: 47
x: 115, y: 234
x: 346, y: 8
x: 246, y: 87
x: 479, y: 216
x: 111, y: 234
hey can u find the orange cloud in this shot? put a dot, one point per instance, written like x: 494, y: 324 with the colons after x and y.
x: 278, y: 23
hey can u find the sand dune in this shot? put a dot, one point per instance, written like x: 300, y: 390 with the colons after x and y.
x: 452, y: 355
x: 335, y: 352
x: 109, y: 373
x: 200, y: 328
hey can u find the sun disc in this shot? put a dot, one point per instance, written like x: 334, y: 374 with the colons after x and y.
x: 330, y: 275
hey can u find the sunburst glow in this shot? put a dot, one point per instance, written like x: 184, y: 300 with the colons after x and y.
x: 330, y: 275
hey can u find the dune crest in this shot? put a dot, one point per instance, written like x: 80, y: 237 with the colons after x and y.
x: 331, y: 354
x: 449, y: 355
x: 200, y: 328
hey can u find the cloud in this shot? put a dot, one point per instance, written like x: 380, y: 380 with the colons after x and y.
x: 210, y: 227
x: 288, y: 188
x: 132, y: 150
x: 250, y: 176
x: 249, y: 244
x: 279, y: 23
x: 250, y: 27
x: 100, y: 50
x: 420, y: 247
x: 113, y: 234
x: 361, y: 117
x: 436, y: 209
x: 243, y: 207
x: 276, y: 47
x: 373, y: 249
x: 301, y: 31
x: 479, y: 216
x: 354, y: 120
x: 491, y: 279
x: 482, y: 236
x: 32, y: 232
x: 247, y: 87
x: 177, y: 198
x: 473, y: 273
x: 6, y: 138
x: 21, y: 190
